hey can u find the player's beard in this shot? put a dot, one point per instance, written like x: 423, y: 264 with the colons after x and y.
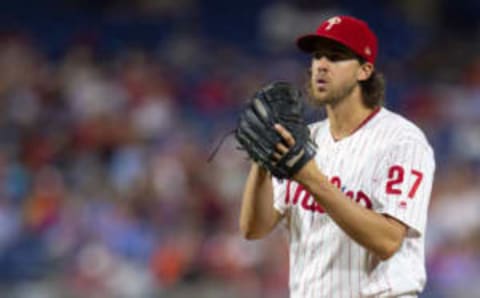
x: 336, y: 96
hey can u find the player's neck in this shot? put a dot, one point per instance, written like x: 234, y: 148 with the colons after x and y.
x: 347, y: 116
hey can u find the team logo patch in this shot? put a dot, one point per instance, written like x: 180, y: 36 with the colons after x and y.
x: 333, y: 21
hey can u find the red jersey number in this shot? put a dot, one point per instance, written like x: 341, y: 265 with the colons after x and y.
x: 396, y: 176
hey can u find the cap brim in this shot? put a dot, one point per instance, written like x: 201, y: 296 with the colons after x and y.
x: 305, y: 43
x: 310, y: 43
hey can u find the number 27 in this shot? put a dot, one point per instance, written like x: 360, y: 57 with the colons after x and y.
x: 396, y: 176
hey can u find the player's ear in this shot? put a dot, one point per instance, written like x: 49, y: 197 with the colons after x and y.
x: 365, y: 71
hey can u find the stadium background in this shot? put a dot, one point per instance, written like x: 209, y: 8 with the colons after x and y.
x: 109, y: 110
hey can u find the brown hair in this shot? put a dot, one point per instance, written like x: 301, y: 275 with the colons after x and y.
x: 373, y: 90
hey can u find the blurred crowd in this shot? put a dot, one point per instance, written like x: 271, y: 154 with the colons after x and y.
x: 104, y: 180
x: 105, y: 190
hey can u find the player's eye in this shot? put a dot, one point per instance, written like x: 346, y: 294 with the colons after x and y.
x: 337, y: 57
x: 333, y: 56
x: 320, y: 54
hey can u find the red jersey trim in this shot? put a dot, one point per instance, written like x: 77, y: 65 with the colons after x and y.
x: 364, y: 122
x: 372, y: 114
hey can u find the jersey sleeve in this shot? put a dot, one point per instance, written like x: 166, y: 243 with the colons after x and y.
x: 281, y: 190
x: 403, y: 183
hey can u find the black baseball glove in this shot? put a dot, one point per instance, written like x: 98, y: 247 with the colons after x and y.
x: 276, y: 103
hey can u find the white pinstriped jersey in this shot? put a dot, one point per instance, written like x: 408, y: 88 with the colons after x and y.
x: 386, y: 165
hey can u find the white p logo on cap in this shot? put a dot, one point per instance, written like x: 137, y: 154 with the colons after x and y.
x: 333, y: 21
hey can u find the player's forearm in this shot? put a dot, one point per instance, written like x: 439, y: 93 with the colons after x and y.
x: 257, y: 216
x: 374, y: 231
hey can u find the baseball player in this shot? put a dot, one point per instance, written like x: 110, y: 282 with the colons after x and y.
x: 356, y: 213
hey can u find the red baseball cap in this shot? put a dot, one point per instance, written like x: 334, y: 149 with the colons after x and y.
x: 346, y: 30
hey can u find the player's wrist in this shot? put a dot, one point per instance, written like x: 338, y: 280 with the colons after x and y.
x: 309, y: 175
x: 260, y: 171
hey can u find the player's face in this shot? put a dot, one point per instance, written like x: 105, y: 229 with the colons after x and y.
x: 334, y: 72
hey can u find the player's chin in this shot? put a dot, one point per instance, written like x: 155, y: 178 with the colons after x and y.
x: 320, y: 96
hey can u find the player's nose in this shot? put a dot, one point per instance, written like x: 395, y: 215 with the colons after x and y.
x: 321, y: 63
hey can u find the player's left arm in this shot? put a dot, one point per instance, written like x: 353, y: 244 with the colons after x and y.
x: 380, y: 233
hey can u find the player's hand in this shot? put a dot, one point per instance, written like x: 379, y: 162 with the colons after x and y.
x: 283, y: 147
x: 278, y: 102
x: 308, y: 171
